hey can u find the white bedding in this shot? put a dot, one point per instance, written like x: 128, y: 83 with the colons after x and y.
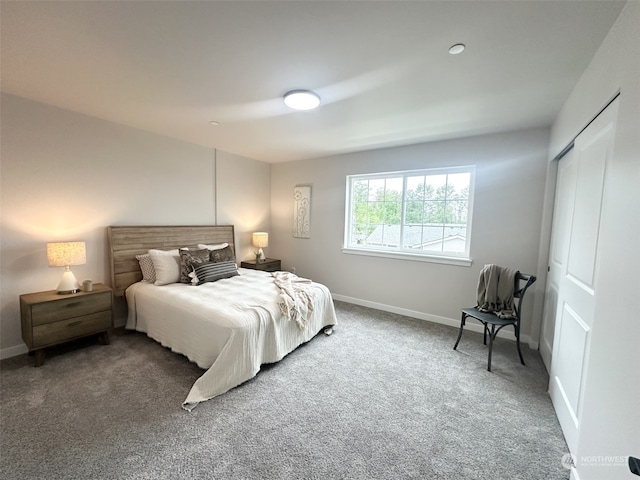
x: 229, y: 327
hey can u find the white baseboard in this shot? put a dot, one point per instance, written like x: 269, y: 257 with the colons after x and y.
x: 13, y: 351
x: 473, y: 326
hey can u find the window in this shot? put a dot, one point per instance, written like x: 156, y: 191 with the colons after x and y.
x: 422, y: 213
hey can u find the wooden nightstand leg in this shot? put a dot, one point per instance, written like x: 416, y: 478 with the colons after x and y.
x: 39, y: 361
x: 103, y: 339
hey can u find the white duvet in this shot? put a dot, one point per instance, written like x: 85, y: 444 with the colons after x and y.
x: 229, y: 327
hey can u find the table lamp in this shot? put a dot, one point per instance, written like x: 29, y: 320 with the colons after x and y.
x: 260, y: 240
x: 65, y: 254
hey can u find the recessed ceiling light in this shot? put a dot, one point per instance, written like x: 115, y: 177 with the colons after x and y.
x: 301, y: 100
x: 456, y: 49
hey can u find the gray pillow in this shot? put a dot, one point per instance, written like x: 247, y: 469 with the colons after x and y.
x: 146, y: 267
x: 223, y: 255
x: 188, y: 260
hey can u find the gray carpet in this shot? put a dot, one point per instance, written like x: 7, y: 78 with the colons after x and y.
x: 384, y: 397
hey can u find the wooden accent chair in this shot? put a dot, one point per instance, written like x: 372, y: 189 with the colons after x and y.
x: 522, y: 282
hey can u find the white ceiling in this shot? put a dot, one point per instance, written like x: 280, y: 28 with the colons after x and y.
x: 381, y: 68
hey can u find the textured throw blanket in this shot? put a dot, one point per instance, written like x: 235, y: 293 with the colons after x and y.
x: 296, y: 297
x: 495, y: 290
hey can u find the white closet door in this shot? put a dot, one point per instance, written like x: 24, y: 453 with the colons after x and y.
x: 573, y: 264
x: 559, y: 250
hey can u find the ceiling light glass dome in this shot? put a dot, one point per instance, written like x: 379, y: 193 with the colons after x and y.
x: 301, y: 100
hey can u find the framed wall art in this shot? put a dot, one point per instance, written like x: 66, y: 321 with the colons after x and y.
x: 302, y: 211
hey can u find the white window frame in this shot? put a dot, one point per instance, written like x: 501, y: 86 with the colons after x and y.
x: 452, y: 258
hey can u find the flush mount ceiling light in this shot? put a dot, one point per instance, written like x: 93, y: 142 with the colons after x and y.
x: 301, y: 100
x: 457, y: 48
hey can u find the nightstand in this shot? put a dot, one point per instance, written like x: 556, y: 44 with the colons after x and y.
x: 49, y: 318
x: 269, y: 265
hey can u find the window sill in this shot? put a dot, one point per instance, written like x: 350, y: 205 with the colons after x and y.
x: 458, y: 261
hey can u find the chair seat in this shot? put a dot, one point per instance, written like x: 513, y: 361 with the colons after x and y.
x: 488, y: 317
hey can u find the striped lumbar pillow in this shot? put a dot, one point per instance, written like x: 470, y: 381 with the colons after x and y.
x: 213, y: 271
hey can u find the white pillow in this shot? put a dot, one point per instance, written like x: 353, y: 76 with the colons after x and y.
x: 218, y: 246
x: 166, y: 263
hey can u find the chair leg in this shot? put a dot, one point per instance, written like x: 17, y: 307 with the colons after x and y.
x: 486, y: 329
x: 518, y: 344
x: 492, y: 336
x: 464, y: 316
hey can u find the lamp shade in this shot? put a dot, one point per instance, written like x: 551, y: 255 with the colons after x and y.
x: 64, y: 254
x: 260, y: 239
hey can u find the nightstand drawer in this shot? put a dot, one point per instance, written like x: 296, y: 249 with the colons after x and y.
x: 75, y: 306
x: 271, y: 267
x: 267, y: 265
x: 71, y: 328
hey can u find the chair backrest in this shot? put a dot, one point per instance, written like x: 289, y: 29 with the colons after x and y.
x: 523, y: 282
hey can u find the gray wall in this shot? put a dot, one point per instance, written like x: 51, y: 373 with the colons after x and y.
x: 507, y: 213
x: 243, y: 187
x: 66, y: 176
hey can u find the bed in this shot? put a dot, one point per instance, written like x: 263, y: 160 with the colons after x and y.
x: 229, y: 327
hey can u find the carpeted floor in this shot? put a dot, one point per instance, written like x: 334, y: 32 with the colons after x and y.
x: 384, y: 397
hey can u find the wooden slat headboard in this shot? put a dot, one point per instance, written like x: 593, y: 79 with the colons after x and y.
x: 127, y: 242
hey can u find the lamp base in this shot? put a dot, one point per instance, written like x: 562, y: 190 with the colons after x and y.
x: 68, y: 284
x: 68, y: 292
